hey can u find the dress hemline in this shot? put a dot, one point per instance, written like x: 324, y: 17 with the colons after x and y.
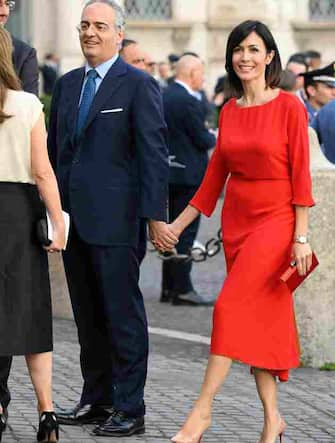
x: 282, y: 373
x: 43, y: 350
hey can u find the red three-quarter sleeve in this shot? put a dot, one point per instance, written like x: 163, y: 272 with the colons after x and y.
x: 214, y: 180
x: 298, y: 146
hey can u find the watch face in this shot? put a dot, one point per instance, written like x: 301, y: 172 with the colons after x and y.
x: 302, y: 239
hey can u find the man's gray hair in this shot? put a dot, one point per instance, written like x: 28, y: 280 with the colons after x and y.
x: 120, y: 17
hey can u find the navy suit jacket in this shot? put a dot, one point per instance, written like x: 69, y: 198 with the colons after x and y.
x: 26, y: 67
x: 189, y: 139
x: 116, y: 172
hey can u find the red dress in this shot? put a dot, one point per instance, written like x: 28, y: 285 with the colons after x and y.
x: 265, y: 152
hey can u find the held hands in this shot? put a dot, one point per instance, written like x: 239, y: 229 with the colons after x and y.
x: 302, y: 255
x: 162, y: 235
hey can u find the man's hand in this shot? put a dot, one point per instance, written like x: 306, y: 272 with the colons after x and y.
x: 162, y: 236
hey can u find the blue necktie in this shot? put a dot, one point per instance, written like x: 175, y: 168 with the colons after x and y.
x: 87, y: 99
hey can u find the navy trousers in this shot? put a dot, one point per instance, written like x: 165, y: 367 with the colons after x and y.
x: 177, y: 276
x: 111, y: 320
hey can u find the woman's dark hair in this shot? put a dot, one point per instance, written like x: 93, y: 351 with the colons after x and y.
x: 237, y: 35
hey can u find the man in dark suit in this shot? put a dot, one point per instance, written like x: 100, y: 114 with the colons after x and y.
x: 189, y: 142
x: 25, y: 63
x: 132, y: 54
x: 49, y: 71
x: 107, y: 143
x: 26, y: 66
x: 24, y: 56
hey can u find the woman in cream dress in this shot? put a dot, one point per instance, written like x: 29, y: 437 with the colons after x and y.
x: 26, y: 179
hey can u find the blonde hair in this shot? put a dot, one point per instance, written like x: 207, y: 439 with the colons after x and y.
x: 8, y: 77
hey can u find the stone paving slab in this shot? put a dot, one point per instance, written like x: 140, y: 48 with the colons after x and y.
x: 307, y: 401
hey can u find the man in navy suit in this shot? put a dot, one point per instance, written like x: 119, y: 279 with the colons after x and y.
x: 24, y: 56
x: 49, y: 71
x: 132, y: 54
x: 107, y: 142
x: 26, y: 67
x: 189, y: 142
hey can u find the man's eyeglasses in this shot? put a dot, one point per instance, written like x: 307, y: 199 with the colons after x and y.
x: 9, y: 3
x: 98, y: 27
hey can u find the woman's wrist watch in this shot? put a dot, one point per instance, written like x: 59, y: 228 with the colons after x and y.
x: 302, y: 239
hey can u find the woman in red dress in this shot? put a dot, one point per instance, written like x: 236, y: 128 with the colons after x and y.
x: 263, y: 148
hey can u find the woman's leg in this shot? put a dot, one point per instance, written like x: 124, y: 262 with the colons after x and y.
x: 200, y: 417
x: 40, y: 370
x: 267, y: 391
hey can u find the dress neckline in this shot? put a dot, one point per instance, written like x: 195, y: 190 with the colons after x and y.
x: 259, y: 106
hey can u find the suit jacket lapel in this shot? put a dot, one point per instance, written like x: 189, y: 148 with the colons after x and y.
x: 74, y: 91
x: 109, y: 85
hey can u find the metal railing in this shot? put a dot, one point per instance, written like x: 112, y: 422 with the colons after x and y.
x: 322, y: 10
x: 148, y: 9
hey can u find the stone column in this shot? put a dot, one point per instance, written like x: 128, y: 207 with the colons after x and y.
x: 315, y: 299
x: 67, y: 18
x: 284, y: 14
x: 193, y: 12
x: 43, y: 26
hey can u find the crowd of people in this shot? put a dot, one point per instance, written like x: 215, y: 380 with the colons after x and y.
x: 127, y: 154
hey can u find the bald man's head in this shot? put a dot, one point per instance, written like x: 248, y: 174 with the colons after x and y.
x: 190, y: 70
x: 133, y: 55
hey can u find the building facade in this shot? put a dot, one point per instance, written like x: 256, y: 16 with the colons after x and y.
x: 173, y: 26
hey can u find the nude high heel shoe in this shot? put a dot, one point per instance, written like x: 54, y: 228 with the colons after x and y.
x: 282, y: 430
x: 184, y: 441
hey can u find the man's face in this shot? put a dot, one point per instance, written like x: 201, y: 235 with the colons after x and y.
x: 297, y: 69
x: 133, y: 55
x: 163, y: 70
x: 321, y: 93
x: 99, y: 38
x: 150, y: 64
x: 4, y: 11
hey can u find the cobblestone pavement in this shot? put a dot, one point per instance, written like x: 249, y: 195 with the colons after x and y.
x: 175, y: 373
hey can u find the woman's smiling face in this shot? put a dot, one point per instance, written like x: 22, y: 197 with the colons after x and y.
x: 250, y: 58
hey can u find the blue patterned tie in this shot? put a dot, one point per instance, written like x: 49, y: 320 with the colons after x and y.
x: 87, y: 99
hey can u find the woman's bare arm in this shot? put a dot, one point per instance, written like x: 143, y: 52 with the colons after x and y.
x: 46, y: 182
x: 184, y: 219
x: 302, y: 253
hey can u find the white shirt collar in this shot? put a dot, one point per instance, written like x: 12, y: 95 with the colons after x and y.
x: 188, y: 89
x: 104, y: 67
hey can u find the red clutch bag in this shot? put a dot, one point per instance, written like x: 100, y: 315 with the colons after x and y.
x: 293, y: 279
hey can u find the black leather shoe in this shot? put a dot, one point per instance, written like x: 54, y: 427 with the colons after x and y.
x: 82, y: 415
x: 166, y: 296
x: 120, y: 425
